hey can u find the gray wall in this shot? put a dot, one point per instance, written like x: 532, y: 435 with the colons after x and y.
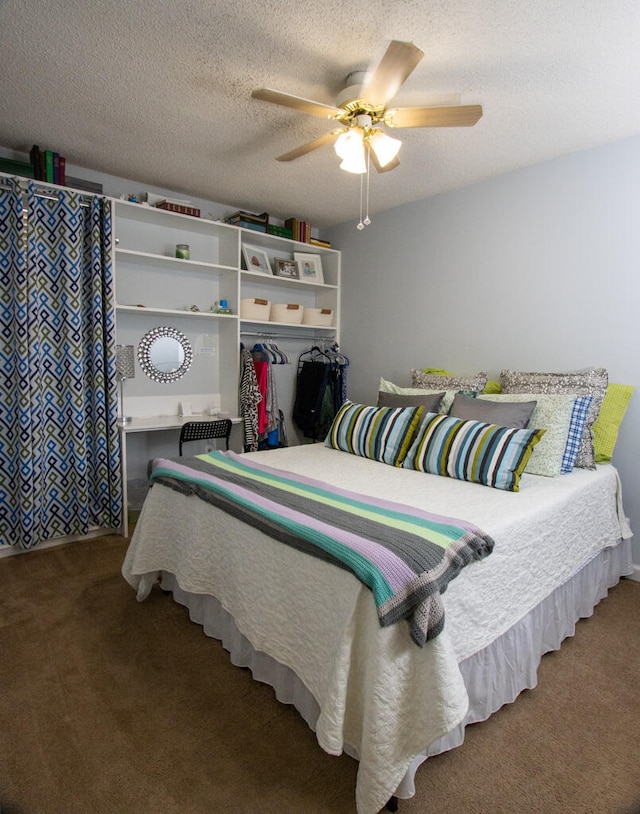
x: 538, y: 269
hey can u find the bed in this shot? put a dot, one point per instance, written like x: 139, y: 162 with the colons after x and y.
x: 310, y: 629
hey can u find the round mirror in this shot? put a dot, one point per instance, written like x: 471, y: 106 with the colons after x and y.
x: 165, y: 354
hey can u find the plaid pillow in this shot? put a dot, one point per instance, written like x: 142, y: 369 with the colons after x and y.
x: 579, y: 416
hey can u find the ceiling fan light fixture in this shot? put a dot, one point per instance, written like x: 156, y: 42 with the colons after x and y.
x: 349, y: 147
x: 385, y: 147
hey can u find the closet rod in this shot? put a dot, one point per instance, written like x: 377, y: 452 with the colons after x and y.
x: 305, y: 337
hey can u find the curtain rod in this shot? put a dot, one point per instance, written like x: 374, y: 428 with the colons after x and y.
x: 48, y: 193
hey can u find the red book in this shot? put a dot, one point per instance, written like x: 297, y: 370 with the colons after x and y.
x: 62, y: 165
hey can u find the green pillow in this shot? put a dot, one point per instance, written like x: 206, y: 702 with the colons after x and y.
x: 605, y: 428
x: 492, y: 387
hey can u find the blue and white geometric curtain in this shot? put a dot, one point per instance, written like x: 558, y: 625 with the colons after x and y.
x: 59, y: 446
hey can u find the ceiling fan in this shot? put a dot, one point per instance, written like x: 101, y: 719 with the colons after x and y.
x: 363, y: 104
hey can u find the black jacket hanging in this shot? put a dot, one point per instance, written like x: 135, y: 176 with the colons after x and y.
x: 320, y: 391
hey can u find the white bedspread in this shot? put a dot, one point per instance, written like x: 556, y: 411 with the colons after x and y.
x: 379, y: 694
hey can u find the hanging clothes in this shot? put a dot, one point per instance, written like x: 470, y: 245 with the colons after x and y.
x: 320, y: 391
x: 264, y: 420
x: 250, y: 397
x: 264, y: 356
x: 262, y: 377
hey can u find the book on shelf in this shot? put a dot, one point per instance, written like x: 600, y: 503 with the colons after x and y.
x: 48, y: 159
x: 300, y: 229
x: 242, y: 218
x: 316, y: 241
x: 248, y: 224
x: 85, y: 186
x: 294, y: 225
x: 280, y: 231
x: 12, y: 167
x: 48, y: 165
x: 242, y: 213
x: 34, y: 157
x: 180, y: 209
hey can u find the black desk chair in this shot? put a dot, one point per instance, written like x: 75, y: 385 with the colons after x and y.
x: 203, y: 430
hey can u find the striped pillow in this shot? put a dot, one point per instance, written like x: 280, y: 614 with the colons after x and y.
x: 472, y: 451
x: 381, y: 433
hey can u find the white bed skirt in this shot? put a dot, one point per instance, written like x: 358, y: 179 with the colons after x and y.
x: 493, y: 677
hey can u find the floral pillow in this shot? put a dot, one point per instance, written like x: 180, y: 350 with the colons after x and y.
x: 591, y: 382
x: 475, y: 383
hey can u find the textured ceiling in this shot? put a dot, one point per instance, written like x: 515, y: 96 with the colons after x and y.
x: 160, y: 92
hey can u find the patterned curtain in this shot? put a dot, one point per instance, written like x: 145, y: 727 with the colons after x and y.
x: 59, y: 449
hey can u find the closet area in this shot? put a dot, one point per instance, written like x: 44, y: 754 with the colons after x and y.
x: 315, y: 390
x: 216, y: 320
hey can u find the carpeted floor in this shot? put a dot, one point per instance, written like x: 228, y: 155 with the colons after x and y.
x: 108, y: 706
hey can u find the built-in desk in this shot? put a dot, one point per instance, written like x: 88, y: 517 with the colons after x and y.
x: 152, y: 424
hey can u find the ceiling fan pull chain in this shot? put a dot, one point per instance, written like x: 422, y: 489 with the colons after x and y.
x: 360, y: 225
x: 367, y: 219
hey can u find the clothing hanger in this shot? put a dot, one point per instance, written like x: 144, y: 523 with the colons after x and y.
x: 336, y: 356
x: 271, y: 353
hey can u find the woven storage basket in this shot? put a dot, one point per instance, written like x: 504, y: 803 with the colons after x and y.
x: 255, y: 308
x: 322, y: 317
x: 287, y: 312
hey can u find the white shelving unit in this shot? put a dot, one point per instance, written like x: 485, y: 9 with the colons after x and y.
x: 154, y: 288
x: 283, y: 290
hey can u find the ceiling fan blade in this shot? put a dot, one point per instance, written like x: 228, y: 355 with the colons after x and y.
x: 454, y: 116
x: 310, y: 145
x: 395, y: 66
x: 379, y: 168
x: 276, y: 97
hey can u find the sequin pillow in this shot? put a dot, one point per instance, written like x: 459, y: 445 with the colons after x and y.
x: 591, y: 382
x: 475, y: 383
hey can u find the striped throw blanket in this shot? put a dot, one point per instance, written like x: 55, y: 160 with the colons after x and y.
x: 406, y: 556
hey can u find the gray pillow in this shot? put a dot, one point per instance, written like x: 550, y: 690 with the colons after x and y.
x: 504, y: 414
x: 430, y: 401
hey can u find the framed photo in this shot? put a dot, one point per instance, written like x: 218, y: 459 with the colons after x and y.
x: 286, y: 268
x: 256, y: 259
x: 309, y: 267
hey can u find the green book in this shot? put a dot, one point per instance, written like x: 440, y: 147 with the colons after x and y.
x: 49, y: 166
